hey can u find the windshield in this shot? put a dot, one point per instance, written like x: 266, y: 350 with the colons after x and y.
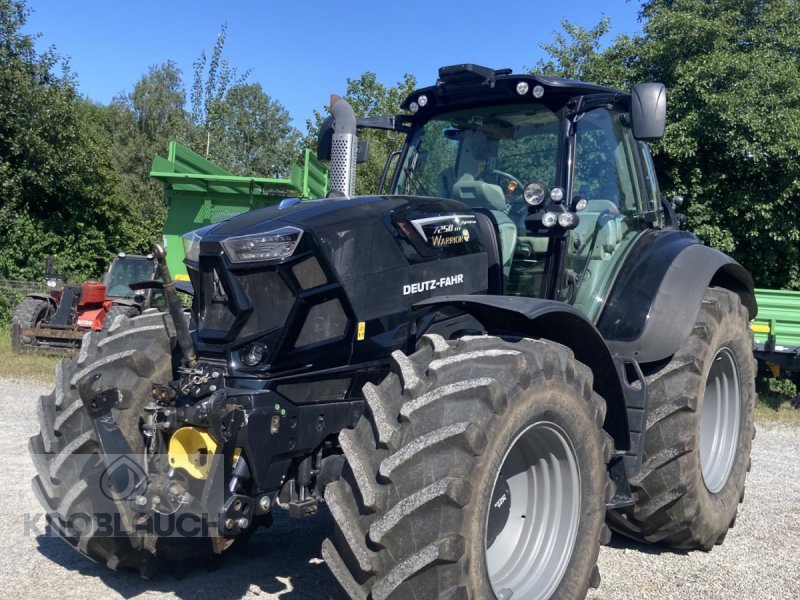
x: 504, y: 147
x: 125, y: 271
x: 485, y: 157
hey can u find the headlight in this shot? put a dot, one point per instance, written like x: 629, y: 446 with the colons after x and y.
x: 534, y: 193
x: 272, y: 245
x: 549, y: 219
x: 568, y: 220
x: 253, y: 354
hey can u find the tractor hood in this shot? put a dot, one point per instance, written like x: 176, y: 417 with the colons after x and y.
x: 335, y: 263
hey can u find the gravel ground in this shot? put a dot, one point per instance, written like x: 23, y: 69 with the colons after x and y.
x: 759, y: 559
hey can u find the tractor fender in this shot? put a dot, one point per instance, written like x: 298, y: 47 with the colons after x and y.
x: 655, y: 300
x: 512, y: 316
x: 47, y: 297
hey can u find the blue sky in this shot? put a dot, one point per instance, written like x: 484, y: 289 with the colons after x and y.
x: 302, y: 51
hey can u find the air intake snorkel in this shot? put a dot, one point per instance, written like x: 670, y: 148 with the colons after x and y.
x: 343, y: 147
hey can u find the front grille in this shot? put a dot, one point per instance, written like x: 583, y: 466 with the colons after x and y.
x: 324, y: 322
x: 271, y: 298
x: 217, y: 310
x: 243, y: 304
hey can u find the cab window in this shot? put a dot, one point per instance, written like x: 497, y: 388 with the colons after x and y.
x: 606, y: 175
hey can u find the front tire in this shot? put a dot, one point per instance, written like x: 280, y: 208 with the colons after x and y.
x: 478, y: 471
x: 131, y: 356
x: 699, y: 434
x: 29, y: 314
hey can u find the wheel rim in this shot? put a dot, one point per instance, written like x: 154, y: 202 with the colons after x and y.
x: 533, y: 519
x: 719, y: 421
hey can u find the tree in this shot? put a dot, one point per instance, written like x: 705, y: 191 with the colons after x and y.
x: 732, y: 144
x: 212, y: 79
x: 573, y: 53
x: 254, y: 134
x: 370, y: 98
x: 237, y: 125
x: 140, y: 125
x: 58, y: 190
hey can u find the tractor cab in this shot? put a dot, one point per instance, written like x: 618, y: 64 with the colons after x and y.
x: 126, y: 269
x: 551, y: 166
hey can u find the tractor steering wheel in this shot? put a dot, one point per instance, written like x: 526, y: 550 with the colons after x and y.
x: 510, y: 177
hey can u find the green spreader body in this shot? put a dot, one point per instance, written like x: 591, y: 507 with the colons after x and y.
x: 200, y: 193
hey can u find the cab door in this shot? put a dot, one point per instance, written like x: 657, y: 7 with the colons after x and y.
x: 605, y: 173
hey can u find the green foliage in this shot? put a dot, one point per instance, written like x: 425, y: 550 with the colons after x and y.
x: 253, y: 134
x: 10, y: 297
x: 574, y: 54
x: 732, y: 144
x: 774, y: 401
x: 59, y: 193
x: 212, y: 79
x: 138, y: 126
x: 236, y: 124
x: 370, y: 98
x: 74, y: 176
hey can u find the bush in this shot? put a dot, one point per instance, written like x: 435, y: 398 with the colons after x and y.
x: 11, y: 294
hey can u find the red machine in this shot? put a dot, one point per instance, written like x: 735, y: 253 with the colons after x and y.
x: 57, y: 321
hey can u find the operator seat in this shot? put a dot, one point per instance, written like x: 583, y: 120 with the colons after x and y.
x: 479, y: 194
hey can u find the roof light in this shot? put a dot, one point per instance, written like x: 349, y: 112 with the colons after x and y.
x: 413, y: 107
x: 522, y: 88
x: 538, y: 91
x: 422, y: 101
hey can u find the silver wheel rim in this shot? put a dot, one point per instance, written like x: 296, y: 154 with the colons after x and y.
x: 528, y: 555
x: 719, y: 421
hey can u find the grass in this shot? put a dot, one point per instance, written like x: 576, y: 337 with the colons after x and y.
x: 34, y: 367
x: 773, y: 406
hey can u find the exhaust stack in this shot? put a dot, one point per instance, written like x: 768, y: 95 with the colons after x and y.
x: 344, y: 148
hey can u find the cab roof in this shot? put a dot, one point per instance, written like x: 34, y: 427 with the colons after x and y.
x: 461, y: 86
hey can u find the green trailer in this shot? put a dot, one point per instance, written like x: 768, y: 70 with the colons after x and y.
x: 200, y: 193
x: 776, y: 330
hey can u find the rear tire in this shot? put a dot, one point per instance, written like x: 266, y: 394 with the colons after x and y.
x: 422, y: 509
x: 131, y: 356
x: 699, y: 433
x: 29, y: 313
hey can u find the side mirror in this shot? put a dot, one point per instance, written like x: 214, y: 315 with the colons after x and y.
x: 363, y: 152
x: 325, y: 143
x: 648, y: 111
x: 325, y: 140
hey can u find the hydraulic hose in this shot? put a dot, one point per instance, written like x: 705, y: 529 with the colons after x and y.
x: 175, y: 307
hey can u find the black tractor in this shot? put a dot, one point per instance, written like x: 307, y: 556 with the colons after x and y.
x: 479, y: 371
